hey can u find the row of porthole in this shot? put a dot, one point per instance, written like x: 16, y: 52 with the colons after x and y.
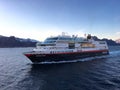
x: 50, y: 48
x: 59, y: 51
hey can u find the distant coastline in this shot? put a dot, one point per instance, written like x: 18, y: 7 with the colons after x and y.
x: 110, y: 42
x: 12, y: 42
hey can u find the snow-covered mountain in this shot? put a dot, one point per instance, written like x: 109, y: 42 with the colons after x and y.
x: 117, y: 41
x: 13, y: 41
x: 25, y: 40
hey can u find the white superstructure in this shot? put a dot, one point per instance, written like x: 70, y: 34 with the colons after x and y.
x: 64, y: 43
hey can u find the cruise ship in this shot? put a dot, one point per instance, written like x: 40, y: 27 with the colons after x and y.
x: 67, y: 48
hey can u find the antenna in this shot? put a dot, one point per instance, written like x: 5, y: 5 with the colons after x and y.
x: 63, y: 33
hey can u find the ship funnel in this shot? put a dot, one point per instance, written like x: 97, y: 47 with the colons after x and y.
x: 89, y: 36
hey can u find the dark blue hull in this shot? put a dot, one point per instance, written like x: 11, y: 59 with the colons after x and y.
x: 37, y: 58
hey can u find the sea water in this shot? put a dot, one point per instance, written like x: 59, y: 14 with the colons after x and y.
x: 97, y: 73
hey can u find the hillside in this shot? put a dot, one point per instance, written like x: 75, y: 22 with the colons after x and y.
x: 117, y: 41
x: 16, y: 42
x: 20, y: 42
x: 110, y: 42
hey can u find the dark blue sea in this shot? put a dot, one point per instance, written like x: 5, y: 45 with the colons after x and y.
x: 98, y: 73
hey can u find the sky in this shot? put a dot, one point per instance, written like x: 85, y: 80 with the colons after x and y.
x: 39, y: 19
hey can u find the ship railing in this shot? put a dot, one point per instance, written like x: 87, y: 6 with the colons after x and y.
x: 51, y: 51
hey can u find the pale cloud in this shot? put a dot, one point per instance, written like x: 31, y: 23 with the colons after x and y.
x: 115, y: 36
x: 38, y: 33
x: 80, y: 32
x: 42, y: 32
x: 118, y: 33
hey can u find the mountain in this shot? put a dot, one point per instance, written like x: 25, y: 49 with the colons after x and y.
x: 117, y: 41
x: 110, y: 42
x: 13, y: 41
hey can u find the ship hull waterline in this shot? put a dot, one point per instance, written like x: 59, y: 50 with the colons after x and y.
x: 56, y: 57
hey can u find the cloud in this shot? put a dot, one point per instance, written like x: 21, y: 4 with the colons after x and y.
x: 118, y: 33
x: 115, y: 36
x: 39, y: 33
x: 79, y: 32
